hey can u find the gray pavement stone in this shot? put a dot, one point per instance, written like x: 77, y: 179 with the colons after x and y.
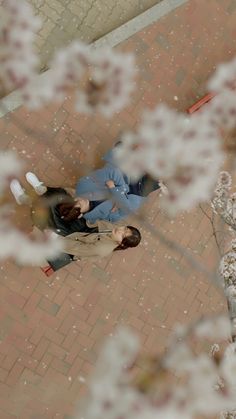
x: 163, y: 41
x: 101, y: 274
x: 232, y: 6
x: 87, y: 20
x: 180, y: 76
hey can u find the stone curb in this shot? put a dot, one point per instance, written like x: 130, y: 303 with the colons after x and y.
x: 12, y: 101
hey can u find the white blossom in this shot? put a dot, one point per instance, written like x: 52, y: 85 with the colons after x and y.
x: 10, y: 166
x: 24, y: 249
x: 228, y: 365
x: 118, y: 352
x: 18, y: 61
x: 228, y: 415
x: 228, y: 268
x: 180, y: 358
x: 224, y: 77
x: 113, y: 394
x: 110, y: 82
x: 39, y: 91
x: 222, y: 202
x: 184, y: 153
x: 214, y: 329
x: 221, y: 110
x: 103, y: 79
x: 14, y: 243
x: 227, y: 372
x: 107, y: 398
x: 224, y: 180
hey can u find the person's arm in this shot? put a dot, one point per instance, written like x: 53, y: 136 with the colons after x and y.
x: 105, y: 211
x: 114, y: 173
x: 93, y: 186
x: 100, y: 212
x: 120, y: 199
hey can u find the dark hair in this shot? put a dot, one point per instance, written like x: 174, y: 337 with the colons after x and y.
x: 68, y: 211
x: 130, y: 241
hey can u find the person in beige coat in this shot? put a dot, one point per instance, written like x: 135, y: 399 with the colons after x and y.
x: 103, y: 243
x: 95, y: 245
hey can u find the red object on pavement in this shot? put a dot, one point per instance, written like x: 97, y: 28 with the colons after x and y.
x: 196, y: 106
x: 47, y: 270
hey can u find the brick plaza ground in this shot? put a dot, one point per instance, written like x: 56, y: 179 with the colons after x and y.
x: 51, y: 328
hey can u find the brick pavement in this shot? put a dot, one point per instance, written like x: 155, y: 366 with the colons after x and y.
x: 87, y: 20
x: 51, y: 328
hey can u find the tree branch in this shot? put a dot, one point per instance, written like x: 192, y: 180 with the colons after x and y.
x: 178, y: 248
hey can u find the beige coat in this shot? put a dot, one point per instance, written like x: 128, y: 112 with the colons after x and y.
x: 92, y: 245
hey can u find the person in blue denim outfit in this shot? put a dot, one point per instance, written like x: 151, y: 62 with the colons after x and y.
x: 119, y: 204
x: 114, y: 196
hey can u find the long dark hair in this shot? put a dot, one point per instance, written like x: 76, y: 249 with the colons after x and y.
x: 68, y: 211
x: 130, y: 241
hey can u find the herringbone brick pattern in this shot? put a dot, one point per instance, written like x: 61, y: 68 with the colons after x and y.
x: 51, y: 328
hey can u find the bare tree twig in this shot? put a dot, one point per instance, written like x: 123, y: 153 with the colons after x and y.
x: 178, y: 248
x: 213, y: 228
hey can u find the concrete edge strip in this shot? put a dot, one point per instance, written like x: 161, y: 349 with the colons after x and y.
x: 13, y: 101
x: 138, y: 23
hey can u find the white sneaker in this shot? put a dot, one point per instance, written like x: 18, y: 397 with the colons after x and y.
x: 19, y: 193
x: 38, y: 186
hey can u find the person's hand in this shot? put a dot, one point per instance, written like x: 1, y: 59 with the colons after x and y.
x: 51, y: 233
x: 110, y: 184
x: 82, y: 204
